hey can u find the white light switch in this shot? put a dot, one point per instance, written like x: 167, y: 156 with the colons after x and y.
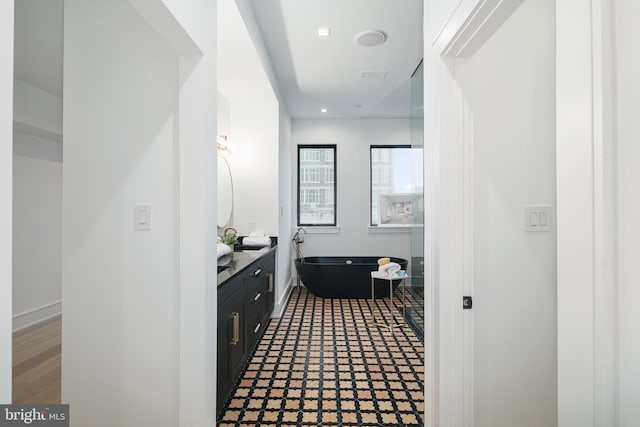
x: 542, y: 219
x: 537, y: 218
x: 142, y: 218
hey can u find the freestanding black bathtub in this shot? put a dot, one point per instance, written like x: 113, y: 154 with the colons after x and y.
x: 343, y: 277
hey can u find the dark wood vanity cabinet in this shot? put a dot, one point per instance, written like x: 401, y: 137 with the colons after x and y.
x: 232, y: 347
x: 245, y: 304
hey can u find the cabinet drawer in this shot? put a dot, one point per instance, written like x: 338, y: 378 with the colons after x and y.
x: 257, y: 290
x: 231, y: 287
x: 256, y: 323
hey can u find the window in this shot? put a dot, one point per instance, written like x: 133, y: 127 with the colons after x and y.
x: 396, y: 185
x: 316, y: 185
x: 329, y: 175
x: 311, y: 155
x: 310, y: 175
x: 310, y: 196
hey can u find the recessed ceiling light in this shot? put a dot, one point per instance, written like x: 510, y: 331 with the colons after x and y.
x: 324, y: 32
x: 323, y: 110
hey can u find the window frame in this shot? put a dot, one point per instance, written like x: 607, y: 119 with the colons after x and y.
x: 322, y: 176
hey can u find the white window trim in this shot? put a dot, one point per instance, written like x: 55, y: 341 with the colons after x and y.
x: 320, y: 229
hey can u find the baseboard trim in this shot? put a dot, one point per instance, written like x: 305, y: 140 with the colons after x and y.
x: 36, y: 315
x: 279, y: 307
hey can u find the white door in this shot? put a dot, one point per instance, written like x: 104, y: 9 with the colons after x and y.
x: 509, y: 88
x: 503, y: 349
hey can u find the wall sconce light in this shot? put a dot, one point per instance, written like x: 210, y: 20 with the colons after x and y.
x: 221, y: 141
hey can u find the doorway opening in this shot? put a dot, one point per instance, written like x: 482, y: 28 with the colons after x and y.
x: 37, y: 201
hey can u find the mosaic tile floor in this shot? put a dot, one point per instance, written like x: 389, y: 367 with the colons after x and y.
x: 325, y: 363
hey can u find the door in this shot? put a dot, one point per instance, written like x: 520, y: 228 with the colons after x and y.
x: 510, y: 98
x: 494, y: 161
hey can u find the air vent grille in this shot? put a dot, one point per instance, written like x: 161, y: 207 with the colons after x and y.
x: 373, y: 75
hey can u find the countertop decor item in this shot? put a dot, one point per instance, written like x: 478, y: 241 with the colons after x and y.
x: 229, y: 237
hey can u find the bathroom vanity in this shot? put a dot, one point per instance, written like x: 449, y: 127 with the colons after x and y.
x: 245, y: 303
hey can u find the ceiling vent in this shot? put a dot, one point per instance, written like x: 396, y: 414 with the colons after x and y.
x: 373, y: 75
x: 371, y: 38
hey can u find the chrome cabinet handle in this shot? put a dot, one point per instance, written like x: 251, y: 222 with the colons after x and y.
x: 236, y: 329
x: 257, y: 297
x: 257, y: 328
x: 257, y: 272
x: 270, y: 283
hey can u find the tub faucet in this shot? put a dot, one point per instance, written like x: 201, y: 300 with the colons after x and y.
x: 297, y: 240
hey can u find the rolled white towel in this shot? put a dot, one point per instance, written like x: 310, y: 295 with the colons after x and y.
x: 256, y: 241
x: 223, y: 249
x: 256, y: 234
x: 389, y: 269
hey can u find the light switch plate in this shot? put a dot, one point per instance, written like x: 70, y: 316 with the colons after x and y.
x: 142, y: 218
x: 537, y: 218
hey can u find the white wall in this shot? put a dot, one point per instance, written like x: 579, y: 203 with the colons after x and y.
x: 628, y: 208
x: 250, y: 58
x: 223, y: 123
x: 197, y: 211
x: 353, y: 139
x: 254, y: 165
x: 37, y: 229
x: 510, y: 87
x: 285, y: 220
x: 224, y: 115
x: 186, y: 27
x: 252, y: 118
x: 6, y: 176
x: 120, y: 321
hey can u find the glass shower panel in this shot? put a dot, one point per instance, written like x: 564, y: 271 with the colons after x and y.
x: 415, y: 289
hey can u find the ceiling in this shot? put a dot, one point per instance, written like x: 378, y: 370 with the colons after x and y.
x: 315, y: 73
x: 38, y: 44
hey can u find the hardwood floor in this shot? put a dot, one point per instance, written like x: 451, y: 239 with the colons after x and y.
x: 37, y: 363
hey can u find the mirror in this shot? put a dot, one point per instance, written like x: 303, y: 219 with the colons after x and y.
x: 225, y: 192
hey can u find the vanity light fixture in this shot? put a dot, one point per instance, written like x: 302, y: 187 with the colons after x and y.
x: 221, y: 141
x: 323, y: 110
x: 324, y: 32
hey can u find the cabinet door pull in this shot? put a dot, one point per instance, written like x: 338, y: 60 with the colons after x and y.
x: 257, y: 272
x: 257, y: 328
x: 257, y: 297
x: 270, y: 283
x: 236, y: 329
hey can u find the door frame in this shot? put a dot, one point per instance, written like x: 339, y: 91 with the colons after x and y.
x: 6, y: 199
